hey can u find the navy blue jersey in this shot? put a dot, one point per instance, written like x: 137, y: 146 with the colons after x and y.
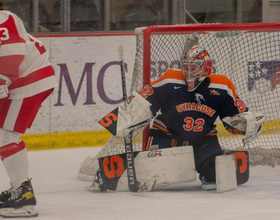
x: 190, y: 115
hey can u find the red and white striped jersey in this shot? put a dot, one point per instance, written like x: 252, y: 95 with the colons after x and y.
x: 23, y: 59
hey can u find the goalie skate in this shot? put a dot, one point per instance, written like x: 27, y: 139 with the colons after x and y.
x: 207, y: 185
x: 97, y: 184
x: 94, y: 187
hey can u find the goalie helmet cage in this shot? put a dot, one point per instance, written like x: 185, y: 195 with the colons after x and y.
x: 248, y: 54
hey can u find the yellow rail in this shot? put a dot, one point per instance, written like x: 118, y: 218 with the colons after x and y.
x: 65, y: 140
x: 99, y: 138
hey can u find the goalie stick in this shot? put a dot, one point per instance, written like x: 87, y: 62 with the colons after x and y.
x: 133, y: 184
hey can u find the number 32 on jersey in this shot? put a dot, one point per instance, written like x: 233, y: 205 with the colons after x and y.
x: 193, y: 125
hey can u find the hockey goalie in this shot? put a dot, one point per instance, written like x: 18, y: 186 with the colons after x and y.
x: 181, y: 107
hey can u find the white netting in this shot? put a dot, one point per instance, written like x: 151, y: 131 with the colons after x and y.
x: 249, y: 56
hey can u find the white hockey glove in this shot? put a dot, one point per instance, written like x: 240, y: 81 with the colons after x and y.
x: 4, y: 83
x: 247, y: 123
x: 253, y: 126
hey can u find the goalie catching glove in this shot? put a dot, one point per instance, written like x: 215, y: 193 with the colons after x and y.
x: 247, y: 123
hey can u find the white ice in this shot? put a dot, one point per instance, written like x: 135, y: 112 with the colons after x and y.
x: 62, y: 196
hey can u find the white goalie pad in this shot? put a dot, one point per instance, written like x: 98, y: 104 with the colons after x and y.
x: 225, y: 173
x: 88, y: 169
x: 163, y: 166
x: 132, y: 115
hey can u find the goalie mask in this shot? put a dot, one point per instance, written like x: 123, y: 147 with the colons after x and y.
x: 196, y: 65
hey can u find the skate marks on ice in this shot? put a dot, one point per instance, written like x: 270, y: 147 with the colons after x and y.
x: 61, y: 196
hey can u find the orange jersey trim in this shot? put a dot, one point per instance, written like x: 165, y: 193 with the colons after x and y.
x: 160, y: 127
x: 172, y: 75
x: 212, y: 134
x: 222, y: 82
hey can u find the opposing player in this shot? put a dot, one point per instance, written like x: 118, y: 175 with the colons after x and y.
x: 26, y: 80
x: 186, y: 104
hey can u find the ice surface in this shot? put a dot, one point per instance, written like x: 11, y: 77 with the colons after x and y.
x: 62, y: 196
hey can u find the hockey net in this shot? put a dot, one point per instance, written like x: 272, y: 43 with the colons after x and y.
x: 248, y: 54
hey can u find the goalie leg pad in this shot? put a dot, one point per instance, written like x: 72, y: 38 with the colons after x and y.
x: 241, y: 166
x: 88, y: 169
x: 225, y: 173
x: 159, y: 167
x: 232, y: 169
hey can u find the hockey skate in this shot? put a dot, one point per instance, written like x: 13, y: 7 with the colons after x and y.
x: 21, y: 202
x: 207, y: 185
x: 5, y: 195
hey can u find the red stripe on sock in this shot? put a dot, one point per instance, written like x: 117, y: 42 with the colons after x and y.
x: 11, y: 149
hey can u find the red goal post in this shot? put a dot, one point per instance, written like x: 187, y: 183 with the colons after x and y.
x: 249, y: 54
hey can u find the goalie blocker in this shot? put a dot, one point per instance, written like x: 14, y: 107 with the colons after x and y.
x: 169, y: 166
